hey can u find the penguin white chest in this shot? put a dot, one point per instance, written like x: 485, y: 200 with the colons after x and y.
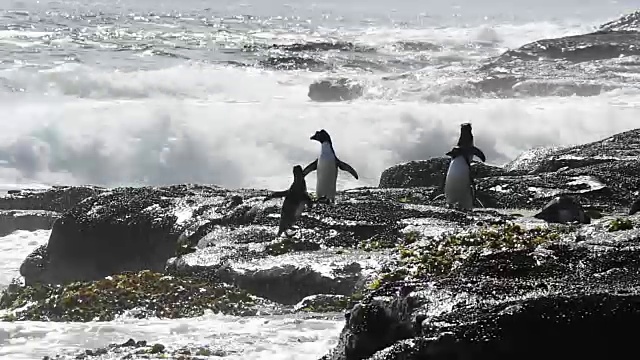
x: 327, y: 173
x: 457, y: 186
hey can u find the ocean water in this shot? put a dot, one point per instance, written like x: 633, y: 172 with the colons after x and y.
x: 158, y: 92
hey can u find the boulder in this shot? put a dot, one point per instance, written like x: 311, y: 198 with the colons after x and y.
x: 520, y: 288
x: 56, y: 198
x: 340, y: 89
x: 125, y: 229
x: 431, y: 172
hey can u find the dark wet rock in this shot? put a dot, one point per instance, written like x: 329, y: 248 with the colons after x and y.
x: 326, y: 303
x: 315, y: 46
x: 125, y: 229
x: 431, y: 172
x: 579, y: 48
x: 499, y: 292
x: 29, y: 220
x: 340, y: 89
x: 57, y: 198
x: 416, y: 46
x: 322, y: 46
x: 622, y: 147
x: 629, y: 22
x: 566, y: 66
x: 145, y: 293
x: 294, y: 63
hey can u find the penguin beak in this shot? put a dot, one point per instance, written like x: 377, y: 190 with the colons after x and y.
x: 313, y: 137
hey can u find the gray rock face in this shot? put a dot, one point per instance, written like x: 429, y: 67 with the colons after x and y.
x: 566, y: 66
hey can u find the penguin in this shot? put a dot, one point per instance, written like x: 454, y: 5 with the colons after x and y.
x: 563, y: 209
x: 466, y: 141
x: 327, y: 166
x: 458, y: 185
x: 295, y: 199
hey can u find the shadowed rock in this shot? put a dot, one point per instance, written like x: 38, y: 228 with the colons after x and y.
x: 563, y: 209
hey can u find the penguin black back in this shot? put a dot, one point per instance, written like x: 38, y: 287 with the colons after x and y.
x: 299, y: 185
x: 466, y: 141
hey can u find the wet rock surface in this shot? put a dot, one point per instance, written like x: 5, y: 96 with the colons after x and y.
x: 601, y: 174
x: 132, y: 349
x: 567, y: 66
x: 418, y: 280
x: 560, y: 287
x: 340, y: 89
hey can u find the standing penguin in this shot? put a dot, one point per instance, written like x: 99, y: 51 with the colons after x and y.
x: 295, y: 199
x: 458, y: 186
x: 327, y: 166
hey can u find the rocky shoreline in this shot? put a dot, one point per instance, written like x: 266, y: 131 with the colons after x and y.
x: 416, y: 279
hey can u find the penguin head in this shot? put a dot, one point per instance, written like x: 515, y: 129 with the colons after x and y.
x: 466, y: 127
x: 321, y: 136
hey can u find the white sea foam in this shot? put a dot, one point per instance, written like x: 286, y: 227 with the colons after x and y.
x: 254, y: 141
x: 14, y: 248
x: 256, y: 338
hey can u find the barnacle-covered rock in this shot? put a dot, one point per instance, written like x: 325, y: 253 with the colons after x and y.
x: 146, y: 293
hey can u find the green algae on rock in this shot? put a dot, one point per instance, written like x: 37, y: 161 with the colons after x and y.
x: 153, y: 294
x: 290, y: 244
x: 619, y: 224
x: 328, y: 303
x: 441, y: 255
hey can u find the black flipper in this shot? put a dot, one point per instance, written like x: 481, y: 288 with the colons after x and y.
x: 477, y: 152
x: 311, y: 167
x: 276, y: 194
x: 346, y: 167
